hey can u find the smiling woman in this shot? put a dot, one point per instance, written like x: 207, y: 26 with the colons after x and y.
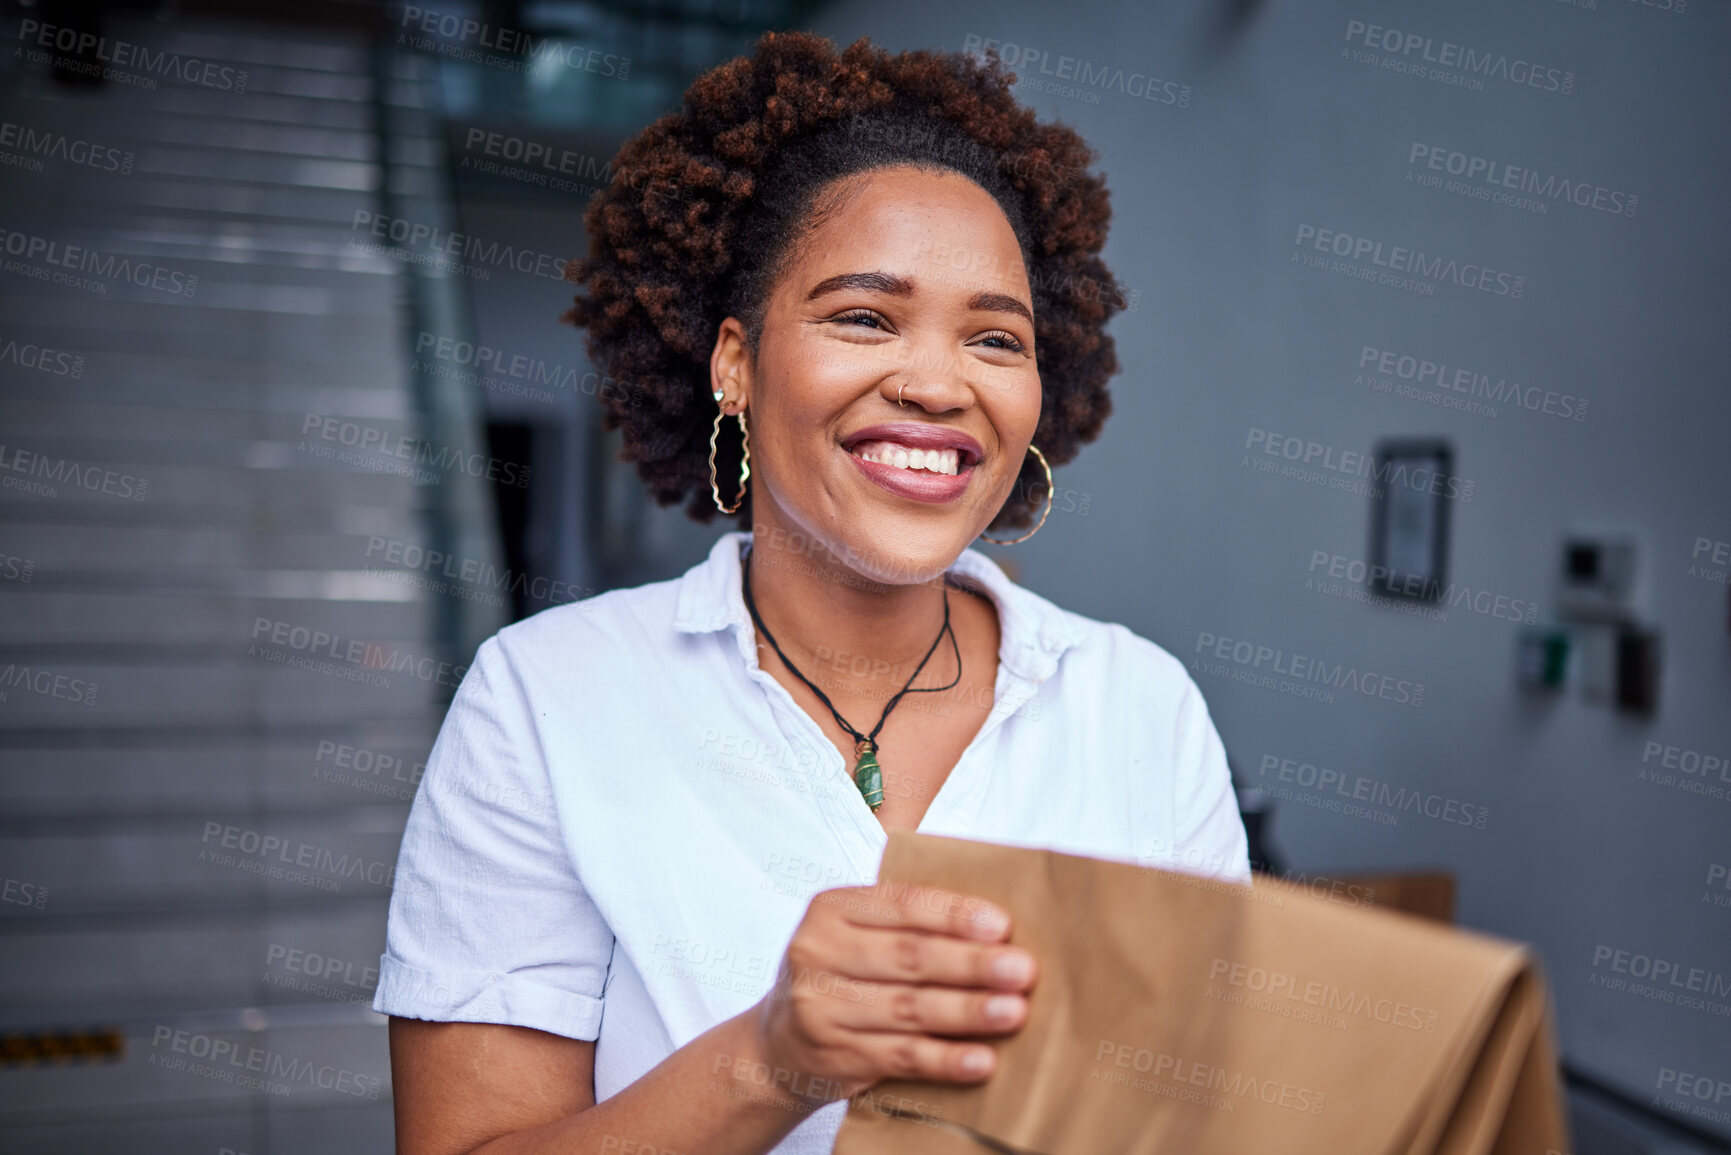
x: 886, y: 273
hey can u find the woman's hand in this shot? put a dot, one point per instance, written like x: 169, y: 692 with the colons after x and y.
x: 879, y: 981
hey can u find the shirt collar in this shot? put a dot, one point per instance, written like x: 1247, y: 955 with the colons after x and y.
x: 1034, y: 631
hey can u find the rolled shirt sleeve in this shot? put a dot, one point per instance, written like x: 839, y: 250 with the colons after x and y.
x: 489, y: 922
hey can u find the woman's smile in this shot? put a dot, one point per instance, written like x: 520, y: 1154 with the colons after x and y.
x: 915, y: 484
x: 920, y: 462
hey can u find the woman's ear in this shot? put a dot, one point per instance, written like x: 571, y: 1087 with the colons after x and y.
x: 730, y: 367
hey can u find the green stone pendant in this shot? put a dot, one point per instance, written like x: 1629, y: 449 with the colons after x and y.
x: 868, y: 776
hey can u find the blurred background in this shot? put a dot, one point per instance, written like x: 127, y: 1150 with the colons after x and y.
x: 1418, y: 463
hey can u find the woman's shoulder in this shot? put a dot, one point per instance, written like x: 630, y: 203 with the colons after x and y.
x: 1117, y: 651
x: 597, y: 633
x: 1102, y: 657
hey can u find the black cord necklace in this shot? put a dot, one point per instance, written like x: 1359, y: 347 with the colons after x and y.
x: 867, y: 774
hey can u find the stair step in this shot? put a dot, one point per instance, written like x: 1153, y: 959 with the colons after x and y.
x: 321, y: 950
x: 325, y: 765
x: 45, y: 616
x: 91, y: 695
x: 213, y: 858
x: 293, y: 1058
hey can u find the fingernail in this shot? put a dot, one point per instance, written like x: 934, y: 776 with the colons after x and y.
x: 1003, y: 1008
x: 977, y: 1061
x: 991, y: 921
x: 1013, y: 967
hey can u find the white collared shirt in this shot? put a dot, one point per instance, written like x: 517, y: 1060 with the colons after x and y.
x: 624, y: 817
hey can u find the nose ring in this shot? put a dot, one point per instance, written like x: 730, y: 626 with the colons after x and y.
x: 899, y: 400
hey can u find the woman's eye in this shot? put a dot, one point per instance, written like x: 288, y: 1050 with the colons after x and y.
x: 1005, y: 341
x: 864, y: 318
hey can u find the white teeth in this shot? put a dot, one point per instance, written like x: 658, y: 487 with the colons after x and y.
x: 945, y: 461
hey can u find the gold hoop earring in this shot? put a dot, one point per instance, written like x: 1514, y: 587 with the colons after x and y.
x: 744, y: 464
x: 1050, y: 494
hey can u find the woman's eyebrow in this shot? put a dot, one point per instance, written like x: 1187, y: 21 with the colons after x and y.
x: 868, y: 282
x: 999, y: 303
x: 903, y: 287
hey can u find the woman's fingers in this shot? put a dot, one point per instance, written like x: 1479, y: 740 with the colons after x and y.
x: 895, y: 980
x: 913, y: 1056
x: 928, y: 908
x: 912, y: 956
x: 932, y: 1010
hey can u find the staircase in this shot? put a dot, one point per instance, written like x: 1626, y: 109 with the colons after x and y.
x: 223, y: 653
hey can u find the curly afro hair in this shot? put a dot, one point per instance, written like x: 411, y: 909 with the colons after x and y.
x: 708, y: 205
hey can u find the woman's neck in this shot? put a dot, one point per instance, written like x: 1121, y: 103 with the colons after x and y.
x: 821, y: 610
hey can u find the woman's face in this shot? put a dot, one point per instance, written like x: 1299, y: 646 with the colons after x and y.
x: 911, y: 280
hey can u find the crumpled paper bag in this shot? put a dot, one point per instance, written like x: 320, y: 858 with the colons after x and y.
x: 1190, y: 1016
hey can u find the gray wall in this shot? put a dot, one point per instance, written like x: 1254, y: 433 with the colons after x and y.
x: 1231, y: 336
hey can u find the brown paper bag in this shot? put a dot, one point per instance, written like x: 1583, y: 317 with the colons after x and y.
x: 1190, y: 1016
